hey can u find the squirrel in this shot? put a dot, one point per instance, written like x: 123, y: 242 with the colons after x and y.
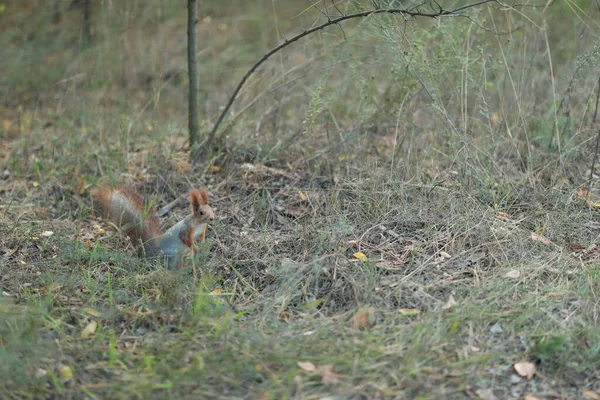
x: 128, y: 211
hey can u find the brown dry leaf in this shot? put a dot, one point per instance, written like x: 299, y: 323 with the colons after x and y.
x: 265, y: 396
x: 539, y: 238
x: 364, y: 318
x: 328, y: 374
x: 450, y: 303
x: 582, y: 192
x: 590, y: 394
x: 525, y: 369
x: 216, y: 291
x: 502, y: 215
x: 89, y: 329
x: 307, y: 366
x: 530, y: 397
x: 513, y: 274
x: 576, y: 246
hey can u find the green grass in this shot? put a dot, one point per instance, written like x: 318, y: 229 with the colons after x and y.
x: 435, y: 148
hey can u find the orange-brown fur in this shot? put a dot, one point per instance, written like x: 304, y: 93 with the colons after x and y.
x: 129, y: 212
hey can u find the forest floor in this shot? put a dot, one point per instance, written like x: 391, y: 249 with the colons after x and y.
x: 373, y: 239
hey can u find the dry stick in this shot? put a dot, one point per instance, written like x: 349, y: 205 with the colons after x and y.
x: 200, y: 152
x: 597, y: 138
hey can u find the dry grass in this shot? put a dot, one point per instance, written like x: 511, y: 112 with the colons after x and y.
x: 435, y: 148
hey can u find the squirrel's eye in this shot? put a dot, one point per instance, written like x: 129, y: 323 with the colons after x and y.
x: 201, y: 212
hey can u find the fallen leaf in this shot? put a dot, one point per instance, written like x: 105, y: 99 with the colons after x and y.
x: 450, y: 303
x: 40, y: 373
x: 445, y: 255
x: 307, y: 366
x: 303, y: 196
x: 47, y: 233
x: 525, y: 369
x: 35, y: 184
x: 66, y: 373
x: 91, y: 311
x: 496, y: 329
x: 595, y: 204
x: 409, y: 311
x: 216, y: 291
x: 530, y: 397
x: 495, y: 117
x: 590, y: 395
x: 328, y: 374
x: 89, y: 329
x: 502, y: 215
x: 576, y: 247
x: 361, y: 256
x: 364, y: 317
x: 582, y: 192
x: 486, y: 394
x: 539, y: 238
x: 513, y: 274
x: 215, y: 168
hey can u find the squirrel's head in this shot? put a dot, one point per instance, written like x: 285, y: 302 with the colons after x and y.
x: 200, y: 208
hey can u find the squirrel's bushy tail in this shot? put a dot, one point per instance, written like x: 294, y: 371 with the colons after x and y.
x: 136, y: 219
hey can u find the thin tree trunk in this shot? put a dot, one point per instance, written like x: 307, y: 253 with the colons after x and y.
x: 193, y: 75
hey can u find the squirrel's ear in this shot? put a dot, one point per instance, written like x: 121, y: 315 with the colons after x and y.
x: 195, y: 200
x: 204, y: 195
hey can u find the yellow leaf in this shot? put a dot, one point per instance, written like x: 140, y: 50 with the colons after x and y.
x: 91, y: 311
x: 342, y: 158
x: 495, y: 118
x: 409, y: 311
x: 303, y: 196
x: 89, y: 330
x: 307, y: 366
x: 35, y: 184
x: 361, y: 256
x: 215, y: 168
x: 149, y: 126
x: 65, y: 372
x: 525, y: 369
x: 2, y: 8
x: 47, y: 233
x: 23, y: 262
x: 216, y: 291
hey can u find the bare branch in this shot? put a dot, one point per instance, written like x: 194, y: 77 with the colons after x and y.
x: 330, y: 21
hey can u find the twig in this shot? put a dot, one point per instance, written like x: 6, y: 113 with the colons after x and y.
x: 597, y: 136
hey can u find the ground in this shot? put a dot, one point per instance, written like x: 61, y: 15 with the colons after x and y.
x: 405, y: 208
